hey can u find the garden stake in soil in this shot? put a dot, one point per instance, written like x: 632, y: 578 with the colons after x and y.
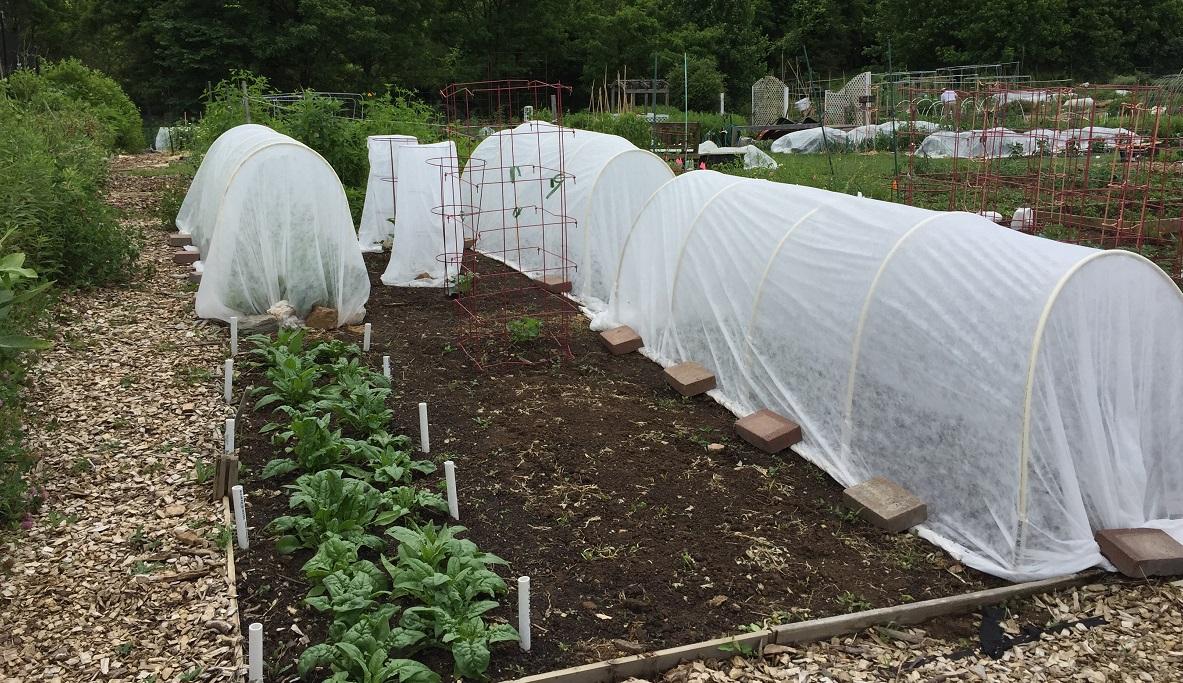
x: 255, y: 652
x: 365, y: 340
x: 386, y: 367
x: 450, y: 479
x: 424, y: 436
x: 239, y: 515
x: 233, y: 335
x: 229, y: 435
x: 228, y: 388
x: 524, y: 612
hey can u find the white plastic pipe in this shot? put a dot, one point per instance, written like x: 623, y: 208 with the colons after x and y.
x: 228, y: 388
x: 365, y: 340
x: 229, y: 435
x: 721, y: 109
x: 450, y: 479
x: 255, y: 651
x: 386, y: 367
x: 424, y: 436
x: 524, y: 612
x: 233, y: 335
x: 239, y: 515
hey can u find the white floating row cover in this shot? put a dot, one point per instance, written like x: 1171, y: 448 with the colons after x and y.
x: 377, y: 213
x: 272, y: 223
x: 168, y: 138
x: 605, y: 180
x: 426, y: 230
x: 1002, y: 142
x: 810, y: 140
x: 1029, y: 391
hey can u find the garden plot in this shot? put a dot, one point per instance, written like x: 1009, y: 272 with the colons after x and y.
x: 642, y: 520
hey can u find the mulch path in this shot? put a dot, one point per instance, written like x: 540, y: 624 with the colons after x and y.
x: 1099, y: 633
x: 119, y: 578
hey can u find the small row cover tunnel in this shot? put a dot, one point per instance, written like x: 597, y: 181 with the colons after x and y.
x: 1028, y: 391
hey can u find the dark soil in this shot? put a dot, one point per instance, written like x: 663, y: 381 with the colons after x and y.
x: 594, y: 478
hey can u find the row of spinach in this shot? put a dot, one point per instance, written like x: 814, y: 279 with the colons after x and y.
x: 359, y: 486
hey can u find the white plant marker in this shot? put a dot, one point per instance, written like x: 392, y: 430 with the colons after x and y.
x: 450, y: 479
x: 229, y: 435
x: 386, y: 367
x: 524, y: 612
x: 424, y: 436
x: 233, y: 335
x: 255, y: 651
x: 239, y: 515
x: 365, y: 340
x: 228, y: 370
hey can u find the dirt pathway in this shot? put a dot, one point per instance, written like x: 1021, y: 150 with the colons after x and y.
x: 120, y: 577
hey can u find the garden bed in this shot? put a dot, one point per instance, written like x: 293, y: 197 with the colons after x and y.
x: 593, y: 478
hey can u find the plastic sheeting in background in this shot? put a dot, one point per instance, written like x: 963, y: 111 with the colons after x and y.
x: 809, y: 141
x: 427, y: 190
x: 1025, y: 389
x: 168, y: 138
x: 281, y: 231
x: 377, y: 214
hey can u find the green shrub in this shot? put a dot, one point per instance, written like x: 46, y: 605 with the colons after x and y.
x: 68, y: 86
x: 51, y: 186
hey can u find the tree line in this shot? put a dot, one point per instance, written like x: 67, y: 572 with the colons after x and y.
x: 166, y: 52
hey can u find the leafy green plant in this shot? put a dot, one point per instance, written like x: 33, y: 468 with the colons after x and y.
x: 524, y: 330
x: 351, y: 664
x: 13, y: 275
x: 268, y: 352
x: 361, y: 407
x: 313, y: 445
x: 450, y: 579
x: 334, y: 554
x: 332, y: 504
x: 349, y: 593
x: 293, y: 382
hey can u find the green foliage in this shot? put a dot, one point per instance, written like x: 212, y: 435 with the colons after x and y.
x: 704, y: 84
x: 294, y: 382
x: 68, y: 86
x: 524, y: 330
x: 52, y: 173
x: 334, y: 505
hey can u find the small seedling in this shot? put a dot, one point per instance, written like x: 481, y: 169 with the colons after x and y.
x: 688, y: 561
x: 191, y: 674
x: 736, y: 647
x: 141, y: 540
x: 853, y: 603
x: 203, y: 471
x: 524, y: 330
x: 123, y: 649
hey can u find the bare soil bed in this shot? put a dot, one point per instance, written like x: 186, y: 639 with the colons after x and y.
x: 594, y: 478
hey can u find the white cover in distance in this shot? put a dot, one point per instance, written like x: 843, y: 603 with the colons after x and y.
x: 1025, y: 389
x: 753, y: 156
x: 200, y: 207
x: 419, y: 229
x: 282, y: 231
x: 810, y: 141
x: 377, y: 213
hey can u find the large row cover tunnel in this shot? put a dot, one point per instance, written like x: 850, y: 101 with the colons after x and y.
x: 1026, y: 389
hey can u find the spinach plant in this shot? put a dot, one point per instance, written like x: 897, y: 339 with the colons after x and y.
x: 332, y: 504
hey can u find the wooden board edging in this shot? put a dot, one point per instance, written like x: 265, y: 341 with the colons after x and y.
x: 651, y: 663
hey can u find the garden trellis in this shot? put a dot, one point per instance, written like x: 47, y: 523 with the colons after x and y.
x: 1024, y: 388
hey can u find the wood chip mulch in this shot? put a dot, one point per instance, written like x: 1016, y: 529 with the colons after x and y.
x: 121, y: 577
x: 1114, y: 632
